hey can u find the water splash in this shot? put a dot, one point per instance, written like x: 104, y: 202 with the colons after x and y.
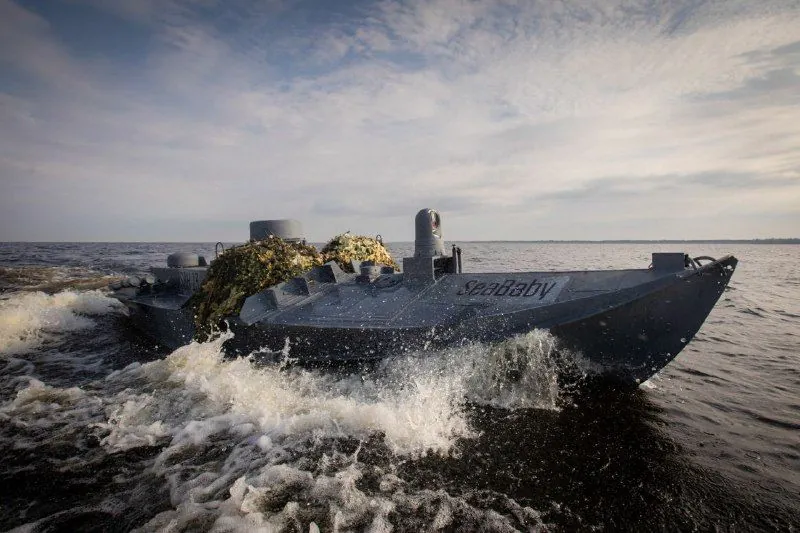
x: 27, y: 320
x: 417, y: 411
x: 245, y: 446
x: 261, y: 447
x: 521, y: 372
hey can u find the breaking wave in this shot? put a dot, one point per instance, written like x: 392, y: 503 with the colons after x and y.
x: 27, y: 320
x: 243, y: 446
x: 415, y: 402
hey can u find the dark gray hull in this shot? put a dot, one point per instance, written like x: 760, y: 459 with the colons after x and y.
x: 635, y: 339
x: 170, y: 326
x: 629, y: 324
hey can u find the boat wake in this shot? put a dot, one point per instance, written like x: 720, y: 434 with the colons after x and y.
x: 29, y: 320
x: 233, y: 444
x: 52, y: 279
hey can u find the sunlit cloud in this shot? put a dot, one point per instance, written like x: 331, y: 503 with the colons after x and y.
x: 183, y: 120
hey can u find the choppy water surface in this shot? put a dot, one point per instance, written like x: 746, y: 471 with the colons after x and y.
x: 102, y: 430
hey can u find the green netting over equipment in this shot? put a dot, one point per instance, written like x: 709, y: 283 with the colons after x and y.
x: 346, y: 247
x: 245, y: 270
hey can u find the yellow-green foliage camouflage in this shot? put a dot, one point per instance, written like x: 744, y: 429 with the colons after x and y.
x: 346, y: 247
x: 244, y: 270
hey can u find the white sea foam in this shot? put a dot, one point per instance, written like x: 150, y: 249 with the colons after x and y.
x: 415, y: 401
x: 29, y: 319
x: 37, y: 392
x: 266, y: 419
x: 248, y: 447
x: 45, y: 414
x: 416, y: 410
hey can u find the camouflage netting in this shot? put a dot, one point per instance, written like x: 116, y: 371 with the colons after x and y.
x: 244, y: 270
x: 345, y: 247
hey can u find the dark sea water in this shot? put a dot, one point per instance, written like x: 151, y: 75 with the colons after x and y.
x: 101, y: 430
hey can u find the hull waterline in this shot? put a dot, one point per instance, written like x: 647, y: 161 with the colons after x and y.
x: 628, y: 324
x: 627, y: 335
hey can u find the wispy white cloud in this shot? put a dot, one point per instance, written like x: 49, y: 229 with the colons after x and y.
x: 516, y: 119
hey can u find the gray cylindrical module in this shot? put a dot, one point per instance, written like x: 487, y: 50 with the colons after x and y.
x: 428, y: 241
x: 183, y: 260
x: 287, y: 229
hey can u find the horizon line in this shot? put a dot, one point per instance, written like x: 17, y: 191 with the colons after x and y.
x: 768, y: 240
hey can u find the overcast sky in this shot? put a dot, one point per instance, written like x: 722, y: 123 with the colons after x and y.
x: 182, y: 120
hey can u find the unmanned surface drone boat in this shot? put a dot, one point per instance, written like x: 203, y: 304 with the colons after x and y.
x: 629, y: 323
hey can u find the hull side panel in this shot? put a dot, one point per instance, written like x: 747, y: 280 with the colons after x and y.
x: 631, y: 332
x: 635, y: 340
